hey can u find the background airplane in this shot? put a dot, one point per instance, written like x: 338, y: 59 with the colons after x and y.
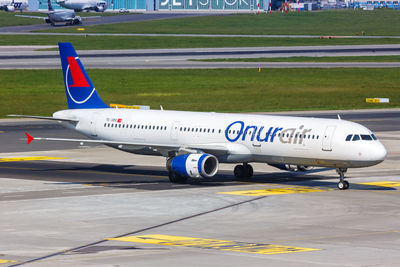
x: 194, y: 143
x: 80, y: 5
x: 59, y: 16
x: 11, y: 5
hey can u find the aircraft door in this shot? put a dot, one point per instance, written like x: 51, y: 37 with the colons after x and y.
x: 327, y: 138
x: 93, y: 130
x: 175, y: 130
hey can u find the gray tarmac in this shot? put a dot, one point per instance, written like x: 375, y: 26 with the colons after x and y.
x: 63, y: 211
x: 13, y: 58
x: 104, y: 20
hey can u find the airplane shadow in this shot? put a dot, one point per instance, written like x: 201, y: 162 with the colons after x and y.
x: 131, y: 176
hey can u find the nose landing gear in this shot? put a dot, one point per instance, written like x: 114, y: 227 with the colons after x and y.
x: 342, y: 184
x: 243, y: 171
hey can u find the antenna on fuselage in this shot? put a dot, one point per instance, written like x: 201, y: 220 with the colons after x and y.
x: 161, y: 108
x: 338, y: 116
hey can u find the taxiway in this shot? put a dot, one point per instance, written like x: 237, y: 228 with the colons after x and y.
x: 15, y: 58
x: 97, y: 206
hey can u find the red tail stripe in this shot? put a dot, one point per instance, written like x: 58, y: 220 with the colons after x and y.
x: 77, y: 75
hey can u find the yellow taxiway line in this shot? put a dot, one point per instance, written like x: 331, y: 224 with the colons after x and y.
x: 192, y: 242
x: 28, y: 158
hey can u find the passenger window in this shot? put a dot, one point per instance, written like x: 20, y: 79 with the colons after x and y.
x: 366, y: 137
x: 356, y: 137
x: 348, y: 138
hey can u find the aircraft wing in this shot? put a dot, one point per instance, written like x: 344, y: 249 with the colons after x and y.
x: 91, y: 17
x: 32, y: 17
x: 215, y: 149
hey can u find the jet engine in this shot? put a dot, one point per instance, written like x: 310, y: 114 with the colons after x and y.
x: 292, y: 168
x: 10, y: 8
x: 194, y: 165
x: 99, y: 9
x: 77, y: 20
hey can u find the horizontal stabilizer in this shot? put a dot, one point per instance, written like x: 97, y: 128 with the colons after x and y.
x: 41, y: 118
x: 30, y: 138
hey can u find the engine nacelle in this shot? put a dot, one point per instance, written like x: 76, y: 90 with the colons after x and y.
x: 292, y: 168
x: 77, y: 20
x: 194, y: 165
x: 10, y: 8
x: 99, y: 9
x: 302, y: 168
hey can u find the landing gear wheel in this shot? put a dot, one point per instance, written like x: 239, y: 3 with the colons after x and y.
x: 239, y: 171
x: 177, y: 178
x: 243, y: 171
x: 248, y: 170
x: 342, y: 184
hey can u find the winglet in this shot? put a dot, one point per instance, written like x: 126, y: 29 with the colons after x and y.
x: 30, y: 138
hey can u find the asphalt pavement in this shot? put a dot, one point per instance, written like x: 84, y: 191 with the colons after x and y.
x: 12, y: 58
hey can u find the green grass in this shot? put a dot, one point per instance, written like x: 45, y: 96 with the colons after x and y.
x: 309, y: 59
x: 140, y: 42
x: 41, y: 92
x: 334, y: 22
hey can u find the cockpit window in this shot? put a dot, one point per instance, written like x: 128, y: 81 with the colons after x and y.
x: 366, y: 137
x: 348, y: 138
x: 374, y: 137
x: 356, y: 137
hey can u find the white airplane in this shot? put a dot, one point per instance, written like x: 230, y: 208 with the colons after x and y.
x: 59, y: 16
x: 194, y: 143
x: 80, y: 5
x: 12, y: 5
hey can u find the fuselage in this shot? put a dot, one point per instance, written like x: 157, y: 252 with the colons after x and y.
x: 249, y: 138
x: 61, y: 15
x: 79, y: 5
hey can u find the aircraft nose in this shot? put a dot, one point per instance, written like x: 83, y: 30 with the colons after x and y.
x: 380, y: 152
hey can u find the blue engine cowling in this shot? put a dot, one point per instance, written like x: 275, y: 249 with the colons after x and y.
x: 194, y: 165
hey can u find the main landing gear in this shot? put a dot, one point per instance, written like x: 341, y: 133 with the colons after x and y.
x: 243, y: 171
x: 342, y: 184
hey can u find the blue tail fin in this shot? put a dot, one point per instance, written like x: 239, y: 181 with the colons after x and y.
x: 81, y: 93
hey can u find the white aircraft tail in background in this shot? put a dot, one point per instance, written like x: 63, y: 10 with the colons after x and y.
x: 194, y: 143
x: 13, y: 5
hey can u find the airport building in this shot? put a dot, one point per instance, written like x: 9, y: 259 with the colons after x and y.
x: 176, y: 5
